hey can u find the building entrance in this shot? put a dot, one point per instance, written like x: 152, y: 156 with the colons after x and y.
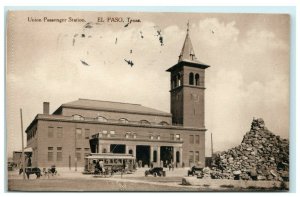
x: 166, y: 155
x: 142, y: 155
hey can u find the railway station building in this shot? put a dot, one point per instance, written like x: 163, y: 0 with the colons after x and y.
x: 65, y: 137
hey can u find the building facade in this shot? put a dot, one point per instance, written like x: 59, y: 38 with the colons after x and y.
x: 83, y: 126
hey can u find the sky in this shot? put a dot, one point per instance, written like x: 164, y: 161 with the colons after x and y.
x: 248, y: 75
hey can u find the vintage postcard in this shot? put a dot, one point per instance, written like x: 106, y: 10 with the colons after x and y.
x: 147, y: 101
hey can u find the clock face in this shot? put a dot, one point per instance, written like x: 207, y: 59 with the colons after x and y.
x: 195, y: 97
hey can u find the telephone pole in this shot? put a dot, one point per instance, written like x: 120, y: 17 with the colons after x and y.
x: 211, y: 143
x: 23, y: 154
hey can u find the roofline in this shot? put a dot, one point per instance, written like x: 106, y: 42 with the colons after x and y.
x: 188, y: 63
x: 63, y: 119
x: 116, y: 110
x: 109, y: 101
x: 34, y: 121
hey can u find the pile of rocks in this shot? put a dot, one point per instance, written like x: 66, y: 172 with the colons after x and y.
x: 261, y: 156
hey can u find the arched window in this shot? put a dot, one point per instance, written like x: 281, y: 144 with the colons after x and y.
x: 101, y: 119
x: 163, y: 123
x: 123, y: 120
x: 197, y: 79
x: 104, y: 150
x: 145, y: 122
x: 179, y: 79
x: 77, y: 117
x: 175, y: 81
x: 191, y: 79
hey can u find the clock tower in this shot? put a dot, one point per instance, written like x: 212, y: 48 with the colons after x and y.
x: 188, y: 88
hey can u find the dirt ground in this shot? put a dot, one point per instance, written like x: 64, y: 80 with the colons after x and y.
x: 76, y: 181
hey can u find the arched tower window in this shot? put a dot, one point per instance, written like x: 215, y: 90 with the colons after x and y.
x: 197, y: 79
x: 174, y: 81
x: 191, y: 79
x: 179, y: 79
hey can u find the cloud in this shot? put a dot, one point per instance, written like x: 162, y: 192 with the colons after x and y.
x: 214, y: 33
x: 262, y: 41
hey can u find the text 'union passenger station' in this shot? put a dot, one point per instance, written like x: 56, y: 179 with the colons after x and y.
x: 85, y: 126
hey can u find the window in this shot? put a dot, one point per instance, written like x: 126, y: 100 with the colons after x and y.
x: 177, y: 136
x: 87, y: 134
x: 144, y: 122
x: 59, y: 132
x: 78, y: 149
x: 59, y: 156
x: 197, y: 139
x: 50, y: 132
x: 191, y: 158
x: 50, y: 156
x: 171, y: 136
x: 163, y: 123
x: 59, y: 148
x: 101, y: 119
x: 78, y: 133
x: 123, y: 120
x: 197, y: 79
x: 197, y: 158
x: 86, y: 149
x: 104, y: 150
x: 179, y: 79
x: 191, y: 139
x: 78, y: 156
x: 191, y: 79
x: 77, y: 117
x: 50, y: 148
x: 175, y: 81
x: 151, y: 137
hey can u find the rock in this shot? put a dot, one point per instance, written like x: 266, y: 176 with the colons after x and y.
x: 261, y: 150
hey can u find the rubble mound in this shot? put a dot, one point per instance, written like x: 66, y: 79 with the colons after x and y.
x: 261, y: 156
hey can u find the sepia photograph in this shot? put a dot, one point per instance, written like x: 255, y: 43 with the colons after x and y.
x: 147, y: 101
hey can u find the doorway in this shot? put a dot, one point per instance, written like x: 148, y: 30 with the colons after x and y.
x: 142, y: 155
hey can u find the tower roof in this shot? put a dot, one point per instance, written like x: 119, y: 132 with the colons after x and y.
x: 187, y: 54
x: 187, y: 51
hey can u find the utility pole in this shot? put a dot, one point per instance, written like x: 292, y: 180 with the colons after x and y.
x: 23, y: 156
x: 211, y: 143
x: 75, y: 149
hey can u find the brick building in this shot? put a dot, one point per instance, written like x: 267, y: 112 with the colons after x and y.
x: 83, y: 126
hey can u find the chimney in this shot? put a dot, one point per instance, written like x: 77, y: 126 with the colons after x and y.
x: 46, y: 107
